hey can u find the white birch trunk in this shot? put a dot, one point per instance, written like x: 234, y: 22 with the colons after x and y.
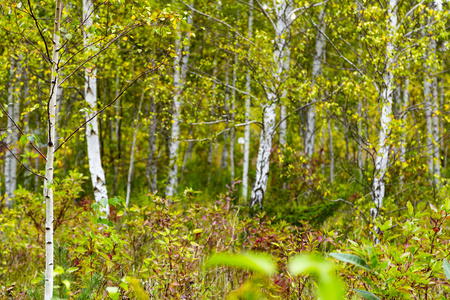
x: 92, y: 133
x: 286, y: 66
x: 429, y: 122
x: 133, y: 147
x: 59, y: 101
x: 224, y: 161
x: 12, y: 137
x: 26, y: 97
x: 116, y: 130
x: 431, y: 106
x: 179, y: 75
x: 330, y: 133
x: 117, y: 118
x: 435, y: 107
x: 360, y: 106
x: 37, y: 132
x: 233, y: 108
x: 360, y: 154
x: 310, y: 133
x: 212, y: 144
x: 283, y: 10
x: 248, y: 89
x: 381, y: 163
x: 265, y: 147
x: 403, y: 137
x: 283, y: 125
x: 172, y: 180
x: 188, y: 154
x: 152, y: 167
x: 48, y: 182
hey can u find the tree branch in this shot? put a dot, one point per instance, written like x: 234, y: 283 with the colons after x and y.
x: 148, y: 71
x: 40, y: 32
x: 21, y: 132
x: 23, y: 165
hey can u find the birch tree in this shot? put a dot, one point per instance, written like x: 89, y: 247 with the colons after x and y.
x: 92, y: 132
x: 283, y: 10
x: 310, y: 132
x: 133, y: 147
x: 49, y: 166
x: 180, y: 68
x: 382, y: 157
x: 248, y: 89
x: 431, y: 100
x: 12, y: 135
x: 152, y: 164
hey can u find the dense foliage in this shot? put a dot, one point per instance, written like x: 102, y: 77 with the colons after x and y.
x: 199, y: 149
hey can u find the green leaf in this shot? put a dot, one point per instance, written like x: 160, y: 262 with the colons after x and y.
x: 446, y: 267
x: 386, y: 225
x: 433, y: 208
x: 410, y: 209
x: 116, y: 201
x: 95, y: 206
x: 36, y: 280
x: 103, y: 202
x: 58, y: 271
x: 366, y: 295
x: 72, y: 269
x: 113, y: 292
x: 352, y: 259
x: 330, y: 287
x: 23, y: 140
x: 67, y: 284
x: 103, y: 221
x: 256, y: 262
x: 308, y: 264
x: 69, y: 36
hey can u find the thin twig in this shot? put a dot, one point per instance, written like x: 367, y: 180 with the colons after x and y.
x: 40, y: 32
x: 217, y: 20
x: 223, y: 131
x: 21, y: 132
x: 306, y: 105
x: 215, y: 80
x: 96, y: 54
x: 208, y: 123
x: 148, y: 71
x: 28, y: 169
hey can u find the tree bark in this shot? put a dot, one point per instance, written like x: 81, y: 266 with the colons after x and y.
x: 248, y: 89
x: 92, y: 132
x: 430, y: 91
x: 232, y: 115
x: 116, y: 130
x: 381, y: 163
x: 133, y: 147
x: 48, y: 182
x: 179, y: 76
x: 189, y: 150
x: 403, y: 137
x: 330, y: 133
x: 26, y: 97
x: 12, y: 136
x: 283, y: 11
x: 152, y: 166
x: 310, y: 133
